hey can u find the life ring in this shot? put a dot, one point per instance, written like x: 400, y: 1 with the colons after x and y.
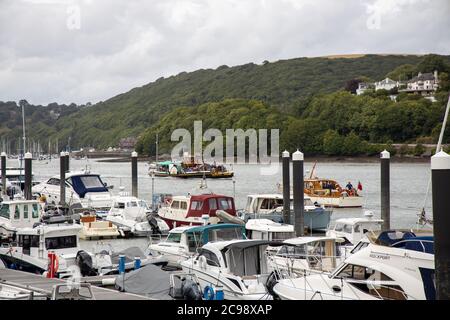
x: 208, y: 293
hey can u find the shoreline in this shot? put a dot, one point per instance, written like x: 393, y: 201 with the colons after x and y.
x: 361, y: 159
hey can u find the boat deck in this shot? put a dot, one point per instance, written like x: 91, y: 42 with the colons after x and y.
x: 45, y: 285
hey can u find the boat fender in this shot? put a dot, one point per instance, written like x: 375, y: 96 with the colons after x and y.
x: 190, y: 290
x: 272, y: 280
x: 208, y: 293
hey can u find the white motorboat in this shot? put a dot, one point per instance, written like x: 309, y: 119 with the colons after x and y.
x: 265, y: 229
x: 238, y: 266
x: 352, y: 230
x: 183, y: 242
x: 304, y: 255
x: 270, y: 206
x: 84, y: 190
x: 394, y: 265
x: 16, y: 214
x: 30, y: 252
x: 133, y: 216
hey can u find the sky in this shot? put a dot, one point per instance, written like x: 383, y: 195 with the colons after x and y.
x: 90, y: 50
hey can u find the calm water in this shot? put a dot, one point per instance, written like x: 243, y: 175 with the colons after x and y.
x: 408, y: 185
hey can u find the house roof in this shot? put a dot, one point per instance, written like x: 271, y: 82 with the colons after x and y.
x: 422, y: 77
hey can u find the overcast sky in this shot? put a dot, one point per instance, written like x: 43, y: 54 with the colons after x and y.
x: 90, y: 50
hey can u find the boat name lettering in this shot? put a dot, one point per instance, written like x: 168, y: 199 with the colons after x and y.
x: 379, y: 256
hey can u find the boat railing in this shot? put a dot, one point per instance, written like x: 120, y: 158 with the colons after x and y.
x: 315, y: 262
x: 373, y: 288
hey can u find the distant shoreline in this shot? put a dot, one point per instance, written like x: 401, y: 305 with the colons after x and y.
x: 358, y: 159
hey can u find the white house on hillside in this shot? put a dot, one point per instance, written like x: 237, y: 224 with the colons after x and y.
x: 386, y: 84
x: 362, y: 87
x: 424, y: 83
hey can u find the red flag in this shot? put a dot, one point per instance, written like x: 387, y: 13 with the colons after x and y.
x: 359, y: 186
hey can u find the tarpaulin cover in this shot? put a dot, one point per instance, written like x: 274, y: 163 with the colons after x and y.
x: 149, y: 280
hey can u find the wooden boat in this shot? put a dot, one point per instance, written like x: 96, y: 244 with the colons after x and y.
x: 329, y: 193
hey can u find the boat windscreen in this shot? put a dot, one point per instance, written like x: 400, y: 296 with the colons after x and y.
x: 88, y: 183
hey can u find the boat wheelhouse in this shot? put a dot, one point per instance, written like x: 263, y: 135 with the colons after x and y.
x: 393, y: 265
x: 30, y: 251
x: 352, y: 230
x: 270, y: 206
x: 183, y: 242
x: 329, y: 193
x: 265, y: 229
x: 83, y: 188
x: 16, y: 214
x: 195, y: 210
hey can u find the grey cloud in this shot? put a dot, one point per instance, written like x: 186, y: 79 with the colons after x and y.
x: 123, y: 44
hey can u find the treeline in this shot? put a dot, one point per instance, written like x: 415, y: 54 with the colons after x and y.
x: 332, y: 124
x: 302, y: 95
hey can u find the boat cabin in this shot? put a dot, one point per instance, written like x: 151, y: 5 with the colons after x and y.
x: 309, y: 253
x: 265, y: 229
x: 267, y: 203
x: 205, y: 204
x: 193, y: 238
x: 37, y: 242
x: 81, y: 187
x: 16, y: 214
x: 354, y: 229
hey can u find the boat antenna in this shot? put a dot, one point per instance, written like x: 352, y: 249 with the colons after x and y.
x: 312, y: 170
x: 422, y: 219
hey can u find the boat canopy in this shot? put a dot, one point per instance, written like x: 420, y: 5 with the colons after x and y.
x: 219, y: 232
x: 246, y: 258
x: 87, y: 183
x: 403, y: 239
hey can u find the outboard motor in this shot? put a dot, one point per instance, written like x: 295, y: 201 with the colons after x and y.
x: 190, y: 290
x: 153, y: 223
x: 84, y: 262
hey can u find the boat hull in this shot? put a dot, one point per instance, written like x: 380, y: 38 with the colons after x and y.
x: 338, y: 202
x: 316, y: 220
x: 198, y: 175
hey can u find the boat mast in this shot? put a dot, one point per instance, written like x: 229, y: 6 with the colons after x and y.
x: 422, y: 216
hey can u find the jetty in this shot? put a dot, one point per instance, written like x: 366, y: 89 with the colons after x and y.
x: 42, y: 285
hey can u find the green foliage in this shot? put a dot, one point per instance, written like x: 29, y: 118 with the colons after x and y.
x: 419, y: 150
x: 403, y: 72
x: 303, y: 97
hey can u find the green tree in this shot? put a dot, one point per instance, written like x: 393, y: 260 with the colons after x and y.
x: 333, y: 143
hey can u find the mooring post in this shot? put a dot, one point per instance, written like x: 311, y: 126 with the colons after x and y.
x: 67, y: 161
x: 286, y: 187
x: 28, y: 174
x: 62, y: 178
x: 440, y: 176
x: 153, y: 191
x: 385, y: 190
x: 134, y: 174
x: 298, y: 185
x: 3, y: 163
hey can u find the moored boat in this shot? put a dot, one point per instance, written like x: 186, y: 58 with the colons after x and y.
x: 395, y: 265
x: 184, y: 242
x: 196, y: 210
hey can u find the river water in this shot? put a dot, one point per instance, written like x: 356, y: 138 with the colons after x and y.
x: 408, y: 186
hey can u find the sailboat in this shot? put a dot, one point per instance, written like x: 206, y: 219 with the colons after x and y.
x: 422, y: 219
